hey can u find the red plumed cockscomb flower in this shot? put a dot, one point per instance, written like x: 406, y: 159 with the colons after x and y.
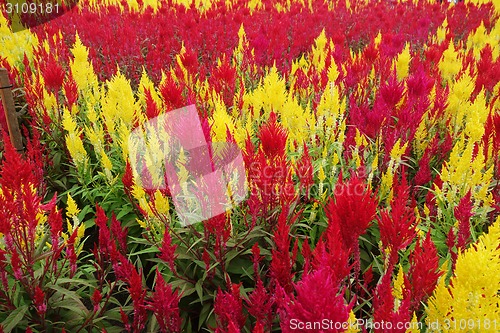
x: 385, y: 309
x: 281, y: 263
x: 331, y: 253
x: 228, y: 308
x: 53, y: 74
x: 304, y: 171
x: 172, y: 94
x: 128, y: 177
x: 55, y: 222
x: 273, y: 138
x: 351, y: 209
x: 164, y: 304
x: 167, y: 250
x: 260, y: 304
x: 256, y: 259
x: 119, y: 234
x: 96, y: 299
x: 152, y: 110
x: 107, y: 248
x: 398, y: 226
x: 463, y: 213
x: 39, y: 301
x: 127, y: 273
x: 258, y: 328
x: 318, y: 298
x: 424, y: 271
x: 70, y: 91
x: 307, y: 255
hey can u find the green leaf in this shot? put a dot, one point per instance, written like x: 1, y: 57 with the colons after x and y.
x: 60, y: 291
x: 152, y: 249
x: 250, y: 273
x: 236, y: 266
x: 123, y: 212
x: 14, y: 318
x: 60, y: 183
x: 206, y: 311
x: 75, y: 281
x: 202, y: 300
x: 18, y: 299
x: 199, y: 289
x: 153, y: 325
x: 56, y: 159
x: 231, y: 255
x: 85, y: 210
x: 76, y: 307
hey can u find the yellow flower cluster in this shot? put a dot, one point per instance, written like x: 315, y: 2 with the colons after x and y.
x: 16, y: 45
x: 470, y: 301
x: 388, y: 177
x: 73, y: 141
x: 464, y: 172
x: 72, y: 212
x: 450, y: 63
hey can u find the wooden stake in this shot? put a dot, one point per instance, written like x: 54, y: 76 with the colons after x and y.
x: 10, y: 110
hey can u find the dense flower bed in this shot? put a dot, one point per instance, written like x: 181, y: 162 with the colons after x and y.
x: 370, y: 135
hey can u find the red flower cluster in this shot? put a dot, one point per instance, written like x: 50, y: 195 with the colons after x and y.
x: 350, y: 211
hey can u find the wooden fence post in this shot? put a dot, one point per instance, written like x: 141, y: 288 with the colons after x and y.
x: 10, y: 110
